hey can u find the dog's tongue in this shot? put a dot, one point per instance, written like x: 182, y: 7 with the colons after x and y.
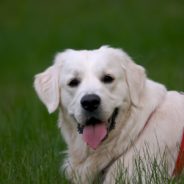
x: 94, y: 134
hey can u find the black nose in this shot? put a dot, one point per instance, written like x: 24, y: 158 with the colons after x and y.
x: 90, y: 102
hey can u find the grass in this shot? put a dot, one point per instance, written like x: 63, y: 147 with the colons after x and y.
x: 31, y: 32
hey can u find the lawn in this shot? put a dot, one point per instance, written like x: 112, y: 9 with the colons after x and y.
x: 32, y: 32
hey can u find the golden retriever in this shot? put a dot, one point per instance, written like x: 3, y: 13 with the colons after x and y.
x: 108, y: 111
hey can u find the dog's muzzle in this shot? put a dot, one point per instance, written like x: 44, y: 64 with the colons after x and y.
x: 95, y: 130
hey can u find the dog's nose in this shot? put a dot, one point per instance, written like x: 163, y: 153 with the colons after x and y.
x: 90, y: 102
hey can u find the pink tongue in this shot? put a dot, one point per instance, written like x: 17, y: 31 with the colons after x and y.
x: 94, y: 134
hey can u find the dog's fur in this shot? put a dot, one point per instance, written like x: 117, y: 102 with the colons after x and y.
x: 148, y: 113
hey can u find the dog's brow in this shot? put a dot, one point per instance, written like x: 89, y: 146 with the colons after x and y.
x: 76, y: 73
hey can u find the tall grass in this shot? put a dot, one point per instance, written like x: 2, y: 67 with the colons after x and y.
x: 30, y: 145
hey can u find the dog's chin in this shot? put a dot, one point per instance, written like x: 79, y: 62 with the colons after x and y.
x: 94, y: 131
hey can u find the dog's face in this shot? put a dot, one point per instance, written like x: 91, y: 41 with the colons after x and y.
x: 91, y: 86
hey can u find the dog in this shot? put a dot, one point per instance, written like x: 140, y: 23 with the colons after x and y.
x: 108, y: 111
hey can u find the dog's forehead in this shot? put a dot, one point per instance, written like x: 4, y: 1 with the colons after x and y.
x: 86, y: 61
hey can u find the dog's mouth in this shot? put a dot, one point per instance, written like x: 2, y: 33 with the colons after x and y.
x: 96, y: 131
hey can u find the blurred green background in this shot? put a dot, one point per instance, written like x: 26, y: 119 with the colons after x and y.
x: 32, y: 31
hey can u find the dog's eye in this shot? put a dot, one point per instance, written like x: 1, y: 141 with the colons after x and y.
x: 107, y: 79
x: 74, y: 83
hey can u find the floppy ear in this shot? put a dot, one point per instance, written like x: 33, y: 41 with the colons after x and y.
x: 136, y: 77
x: 47, y: 87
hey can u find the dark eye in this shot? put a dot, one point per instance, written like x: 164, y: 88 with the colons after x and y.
x: 74, y: 83
x: 107, y: 79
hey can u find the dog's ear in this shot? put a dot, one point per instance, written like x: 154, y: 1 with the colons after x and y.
x: 135, y: 76
x: 47, y: 87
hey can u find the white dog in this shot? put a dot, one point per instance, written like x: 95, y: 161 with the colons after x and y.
x: 109, y: 109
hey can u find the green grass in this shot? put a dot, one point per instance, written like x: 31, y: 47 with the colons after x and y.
x: 31, y: 32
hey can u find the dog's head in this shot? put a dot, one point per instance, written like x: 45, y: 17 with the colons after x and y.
x: 92, y: 87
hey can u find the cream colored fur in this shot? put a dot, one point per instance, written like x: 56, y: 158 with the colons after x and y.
x: 140, y: 101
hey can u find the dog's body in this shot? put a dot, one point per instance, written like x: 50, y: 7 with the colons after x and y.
x: 117, y: 111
